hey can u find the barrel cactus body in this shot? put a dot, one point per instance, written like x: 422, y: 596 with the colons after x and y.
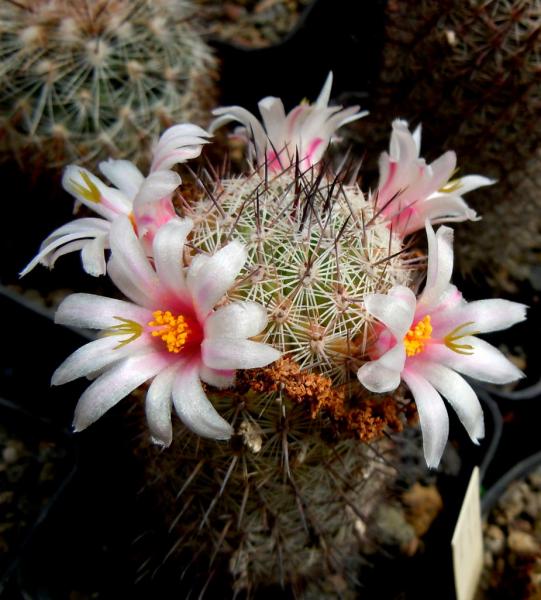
x: 290, y: 500
x: 84, y: 81
x: 469, y: 72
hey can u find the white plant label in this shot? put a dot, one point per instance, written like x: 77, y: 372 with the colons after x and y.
x: 467, y: 542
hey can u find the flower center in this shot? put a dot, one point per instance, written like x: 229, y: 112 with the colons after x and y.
x: 416, y: 338
x: 173, y: 331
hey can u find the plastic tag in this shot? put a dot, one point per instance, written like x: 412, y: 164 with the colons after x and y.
x: 467, y: 542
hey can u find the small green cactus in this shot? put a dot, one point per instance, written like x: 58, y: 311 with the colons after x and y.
x: 83, y: 81
x: 313, y: 254
x: 289, y: 501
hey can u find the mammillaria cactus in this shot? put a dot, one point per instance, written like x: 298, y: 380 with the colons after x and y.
x: 276, y: 311
x: 81, y: 81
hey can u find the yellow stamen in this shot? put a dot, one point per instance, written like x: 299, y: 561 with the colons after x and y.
x: 90, y: 192
x: 451, y: 338
x: 174, y: 331
x: 125, y: 327
x: 416, y: 338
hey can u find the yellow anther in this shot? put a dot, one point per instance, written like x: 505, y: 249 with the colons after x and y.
x: 90, y: 192
x: 416, y: 338
x: 173, y: 331
x: 452, y: 185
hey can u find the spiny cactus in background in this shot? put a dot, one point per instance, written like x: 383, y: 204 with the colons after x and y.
x: 288, y: 501
x: 469, y: 72
x: 83, y: 81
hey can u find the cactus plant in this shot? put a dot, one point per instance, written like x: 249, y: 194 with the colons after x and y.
x: 84, y: 81
x: 287, y: 502
x: 469, y: 72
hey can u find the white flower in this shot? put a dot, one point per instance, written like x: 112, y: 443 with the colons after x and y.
x: 147, y: 201
x: 410, y: 191
x: 169, y: 333
x: 424, y: 341
x: 305, y: 131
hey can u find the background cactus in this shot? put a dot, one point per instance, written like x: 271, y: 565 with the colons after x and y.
x: 82, y: 81
x: 289, y: 500
x: 469, y: 72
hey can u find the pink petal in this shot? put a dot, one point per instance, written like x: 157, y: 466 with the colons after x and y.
x: 228, y: 353
x: 195, y: 409
x: 432, y: 415
x: 114, y: 385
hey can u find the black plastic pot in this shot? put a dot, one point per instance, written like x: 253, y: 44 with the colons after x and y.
x: 39, y: 478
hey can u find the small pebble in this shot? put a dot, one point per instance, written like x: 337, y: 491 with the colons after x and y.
x: 10, y: 455
x: 522, y: 543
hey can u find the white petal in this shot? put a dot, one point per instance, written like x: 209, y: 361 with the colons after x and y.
x: 195, y: 409
x: 64, y: 235
x: 439, y: 208
x: 458, y: 393
x: 402, y: 147
x: 472, y: 182
x: 484, y: 315
x: 228, y: 353
x: 432, y: 415
x: 442, y: 169
x: 97, y: 312
x: 237, y: 320
x: 209, y: 278
x: 254, y: 129
x: 395, y: 309
x: 119, y: 275
x: 93, y: 256
x: 218, y: 378
x: 124, y: 175
x: 486, y: 363
x: 274, y: 117
x: 158, y: 406
x: 440, y: 265
x: 168, y: 250
x: 178, y: 144
x: 114, y: 385
x: 111, y: 202
x: 131, y: 260
x: 156, y: 186
x: 325, y: 94
x: 384, y: 374
x: 416, y: 135
x: 92, y: 357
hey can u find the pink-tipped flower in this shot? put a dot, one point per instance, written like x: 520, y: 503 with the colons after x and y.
x: 146, y: 201
x: 410, y: 191
x: 425, y: 341
x: 305, y: 131
x: 170, y: 333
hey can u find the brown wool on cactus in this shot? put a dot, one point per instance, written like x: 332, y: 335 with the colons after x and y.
x: 84, y: 81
